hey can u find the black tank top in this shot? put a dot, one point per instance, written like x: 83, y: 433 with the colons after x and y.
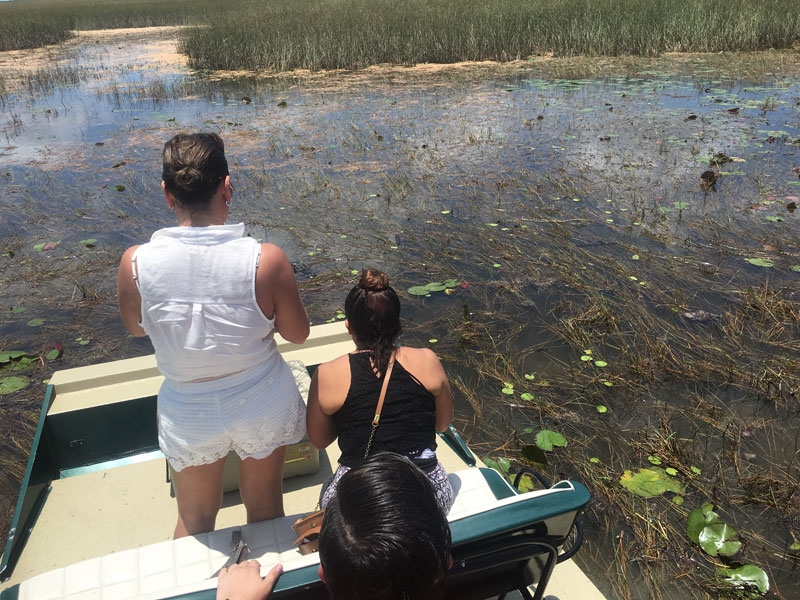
x: 408, y: 418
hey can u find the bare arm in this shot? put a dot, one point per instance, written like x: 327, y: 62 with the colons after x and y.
x: 277, y: 294
x: 444, y: 398
x: 128, y: 298
x: 321, y: 430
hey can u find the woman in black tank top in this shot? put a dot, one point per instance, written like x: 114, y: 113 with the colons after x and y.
x: 344, y: 392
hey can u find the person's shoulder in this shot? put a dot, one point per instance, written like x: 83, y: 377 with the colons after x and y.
x: 332, y: 367
x: 128, y: 254
x: 419, y: 356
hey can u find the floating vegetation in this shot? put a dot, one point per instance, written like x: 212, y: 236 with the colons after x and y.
x: 650, y: 482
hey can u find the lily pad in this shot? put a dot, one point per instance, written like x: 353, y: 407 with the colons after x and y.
x: 22, y: 309
x: 773, y: 219
x: 119, y: 188
x: 527, y: 396
x: 695, y: 470
x: 670, y: 471
x: 546, y: 439
x: 796, y: 268
x: 681, y: 205
x: 36, y: 322
x: 10, y: 355
x: 451, y: 283
x: 88, y: 242
x: 654, y: 460
x: 508, y: 390
x: 747, y: 577
x: 600, y: 363
x: 602, y: 409
x: 717, y: 538
x: 53, y: 354
x: 432, y: 341
x: 760, y: 262
x: 530, y: 376
x: 9, y: 385
x: 586, y: 358
x: 436, y: 286
x: 594, y: 460
x: 677, y: 500
x: 650, y: 482
x: 418, y: 290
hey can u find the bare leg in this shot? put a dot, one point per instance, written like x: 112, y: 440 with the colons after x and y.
x: 261, y: 486
x: 199, y: 494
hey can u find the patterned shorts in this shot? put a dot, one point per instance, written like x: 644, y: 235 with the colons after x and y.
x: 253, y: 412
x: 438, y: 477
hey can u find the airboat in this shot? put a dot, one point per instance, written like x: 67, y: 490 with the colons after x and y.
x: 95, y: 512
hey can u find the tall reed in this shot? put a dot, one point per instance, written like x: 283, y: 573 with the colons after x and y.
x: 329, y: 34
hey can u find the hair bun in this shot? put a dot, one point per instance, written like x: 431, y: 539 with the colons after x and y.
x: 373, y: 280
x: 188, y: 177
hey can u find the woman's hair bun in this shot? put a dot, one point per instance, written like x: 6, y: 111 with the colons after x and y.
x: 188, y: 178
x: 373, y: 280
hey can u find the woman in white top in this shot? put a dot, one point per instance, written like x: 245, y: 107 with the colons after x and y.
x: 211, y: 300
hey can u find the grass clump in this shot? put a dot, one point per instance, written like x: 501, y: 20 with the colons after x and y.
x: 334, y: 34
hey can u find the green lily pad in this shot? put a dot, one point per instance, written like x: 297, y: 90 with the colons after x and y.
x: 36, y: 322
x: 119, y: 188
x: 527, y: 396
x: 586, y: 358
x: 436, y: 286
x: 508, y: 390
x: 496, y: 265
x: 450, y: 283
x: 677, y: 500
x: 695, y: 470
x: 602, y: 409
x: 10, y: 355
x: 530, y: 376
x: 796, y: 268
x: 717, y: 538
x: 760, y: 262
x: 681, y: 205
x: 773, y: 219
x: 635, y: 257
x: 671, y: 471
x: 594, y: 460
x: 650, y: 482
x: 88, y: 242
x: 9, y: 385
x: 354, y: 271
x: 53, y: 354
x: 748, y: 577
x: 608, y: 384
x: 654, y: 459
x: 21, y: 309
x: 546, y: 439
x: 418, y: 290
x: 600, y: 363
x: 432, y: 341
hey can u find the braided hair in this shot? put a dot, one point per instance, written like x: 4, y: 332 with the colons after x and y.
x: 373, y: 310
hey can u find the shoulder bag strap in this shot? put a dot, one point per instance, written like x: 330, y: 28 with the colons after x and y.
x: 381, y: 398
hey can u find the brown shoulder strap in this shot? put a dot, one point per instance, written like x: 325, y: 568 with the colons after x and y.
x: 381, y: 398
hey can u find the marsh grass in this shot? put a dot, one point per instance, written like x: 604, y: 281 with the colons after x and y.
x: 36, y: 23
x: 287, y: 34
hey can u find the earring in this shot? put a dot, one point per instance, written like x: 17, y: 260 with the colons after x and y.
x: 172, y: 207
x: 227, y: 203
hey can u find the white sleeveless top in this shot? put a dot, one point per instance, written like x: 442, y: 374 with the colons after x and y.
x: 199, y: 301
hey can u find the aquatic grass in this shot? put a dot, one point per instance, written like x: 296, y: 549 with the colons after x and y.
x: 36, y: 23
x: 286, y: 34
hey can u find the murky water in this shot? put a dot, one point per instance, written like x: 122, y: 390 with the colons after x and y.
x: 569, y: 212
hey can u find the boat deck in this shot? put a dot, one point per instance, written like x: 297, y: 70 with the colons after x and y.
x: 109, y: 507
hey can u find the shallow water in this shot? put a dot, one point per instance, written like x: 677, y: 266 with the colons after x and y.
x: 534, y: 193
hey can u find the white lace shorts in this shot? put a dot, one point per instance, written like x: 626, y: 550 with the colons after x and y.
x: 252, y: 412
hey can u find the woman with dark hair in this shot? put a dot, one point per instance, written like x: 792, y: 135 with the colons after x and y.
x: 345, y: 391
x: 383, y: 538
x: 211, y: 300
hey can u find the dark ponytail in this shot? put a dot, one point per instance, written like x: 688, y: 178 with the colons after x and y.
x: 373, y: 310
